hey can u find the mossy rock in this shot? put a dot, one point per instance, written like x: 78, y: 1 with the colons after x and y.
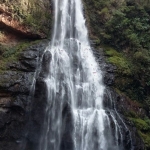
x: 146, y: 139
x: 11, y: 53
x: 141, y: 124
x: 122, y: 63
x: 143, y: 127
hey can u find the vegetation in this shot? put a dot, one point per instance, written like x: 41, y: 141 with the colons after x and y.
x: 10, y: 54
x: 123, y: 64
x: 143, y: 127
x: 33, y: 14
x: 124, y: 26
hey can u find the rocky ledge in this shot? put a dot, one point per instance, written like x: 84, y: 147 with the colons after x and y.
x: 8, y: 22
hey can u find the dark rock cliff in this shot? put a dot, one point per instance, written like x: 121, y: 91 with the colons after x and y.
x: 22, y: 22
x: 15, y: 98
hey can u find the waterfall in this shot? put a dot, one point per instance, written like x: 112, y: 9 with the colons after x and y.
x: 75, y: 115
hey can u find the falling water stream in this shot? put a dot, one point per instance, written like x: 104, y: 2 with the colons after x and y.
x: 75, y: 118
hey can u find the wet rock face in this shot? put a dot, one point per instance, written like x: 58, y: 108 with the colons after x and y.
x: 37, y: 115
x: 107, y: 68
x: 120, y: 105
x: 45, y: 64
x: 15, y: 98
x: 124, y: 106
x: 38, y: 104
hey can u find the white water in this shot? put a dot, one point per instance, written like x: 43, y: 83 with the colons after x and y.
x: 75, y: 117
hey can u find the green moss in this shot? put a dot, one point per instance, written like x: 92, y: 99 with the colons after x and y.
x: 104, y: 10
x: 111, y: 52
x: 10, y: 54
x: 122, y: 63
x: 128, y: 73
x: 39, y: 20
x: 142, y: 56
x: 143, y: 127
x: 145, y: 138
x: 141, y: 124
x: 33, y: 14
x: 131, y: 114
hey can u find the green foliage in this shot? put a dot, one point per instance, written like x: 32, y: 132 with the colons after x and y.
x: 2, y: 49
x: 116, y: 58
x: 9, y: 52
x: 33, y: 14
x: 142, y: 56
x: 131, y: 114
x: 121, y: 63
x: 39, y: 21
x: 129, y: 26
x: 143, y: 127
x: 125, y: 27
x: 146, y: 139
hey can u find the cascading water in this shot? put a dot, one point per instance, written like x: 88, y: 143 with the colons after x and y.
x: 75, y: 118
